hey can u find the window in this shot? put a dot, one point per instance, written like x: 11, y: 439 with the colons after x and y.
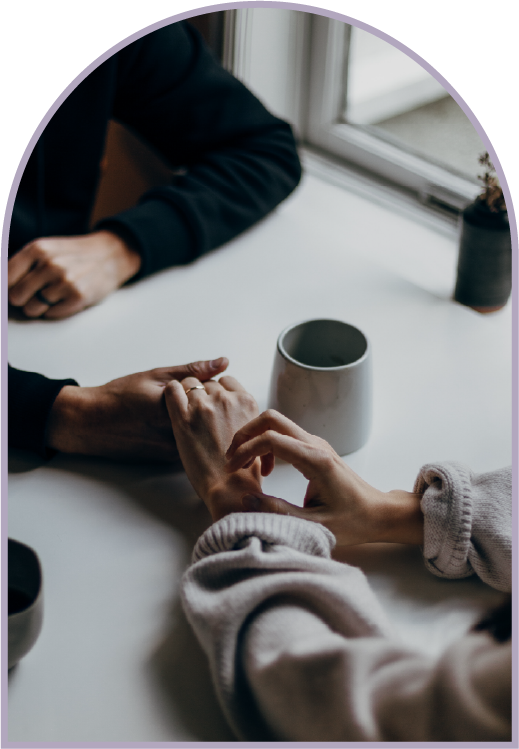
x: 357, y: 97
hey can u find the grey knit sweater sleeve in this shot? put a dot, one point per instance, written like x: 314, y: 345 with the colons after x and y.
x: 300, y: 649
x: 467, y: 522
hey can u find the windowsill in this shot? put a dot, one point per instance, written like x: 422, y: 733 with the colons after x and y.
x: 354, y: 179
x: 395, y: 230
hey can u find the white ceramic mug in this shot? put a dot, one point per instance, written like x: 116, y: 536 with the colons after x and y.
x: 322, y: 381
x: 25, y: 600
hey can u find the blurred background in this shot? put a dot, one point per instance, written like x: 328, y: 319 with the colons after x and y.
x: 352, y: 98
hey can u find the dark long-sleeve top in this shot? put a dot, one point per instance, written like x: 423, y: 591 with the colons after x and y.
x: 238, y: 162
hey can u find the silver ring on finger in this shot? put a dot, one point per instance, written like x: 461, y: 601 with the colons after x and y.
x: 41, y: 298
x: 196, y: 387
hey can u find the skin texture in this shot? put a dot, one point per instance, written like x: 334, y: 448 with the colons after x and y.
x: 72, y: 273
x: 125, y: 419
x: 336, y: 497
x: 204, y: 422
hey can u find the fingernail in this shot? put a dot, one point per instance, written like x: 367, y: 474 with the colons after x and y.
x: 216, y: 363
x: 250, y: 502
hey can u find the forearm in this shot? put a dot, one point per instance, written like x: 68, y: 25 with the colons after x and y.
x: 71, y: 422
x: 301, y: 651
x: 399, y: 518
x: 238, y: 160
x: 246, y: 561
x: 368, y: 687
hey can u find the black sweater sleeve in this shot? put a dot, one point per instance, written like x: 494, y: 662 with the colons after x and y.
x: 30, y: 399
x: 238, y: 160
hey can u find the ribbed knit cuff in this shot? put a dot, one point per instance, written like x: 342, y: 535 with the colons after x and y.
x: 447, y: 508
x: 302, y: 535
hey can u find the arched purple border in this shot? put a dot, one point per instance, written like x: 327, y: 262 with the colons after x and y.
x: 5, y: 236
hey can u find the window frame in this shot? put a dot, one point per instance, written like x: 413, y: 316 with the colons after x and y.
x: 356, y: 144
x: 316, y: 74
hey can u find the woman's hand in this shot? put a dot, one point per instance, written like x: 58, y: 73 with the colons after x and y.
x: 350, y: 508
x: 204, y: 420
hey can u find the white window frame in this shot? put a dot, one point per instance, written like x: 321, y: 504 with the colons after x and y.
x: 305, y: 83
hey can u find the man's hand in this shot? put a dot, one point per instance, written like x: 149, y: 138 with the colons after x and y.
x: 204, y: 421
x: 56, y: 277
x: 124, y: 419
x: 353, y: 510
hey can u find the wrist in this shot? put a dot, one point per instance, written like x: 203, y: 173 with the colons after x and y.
x: 225, y: 496
x: 67, y: 429
x: 128, y: 260
x: 400, y: 518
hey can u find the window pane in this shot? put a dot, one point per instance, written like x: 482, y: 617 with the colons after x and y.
x: 403, y: 103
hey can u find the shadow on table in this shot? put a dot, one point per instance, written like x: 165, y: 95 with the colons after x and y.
x: 22, y: 461
x: 401, y: 568
x: 181, y: 671
x: 178, y: 667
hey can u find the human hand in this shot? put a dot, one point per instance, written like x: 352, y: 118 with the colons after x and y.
x: 71, y: 273
x: 204, y: 421
x: 336, y: 497
x: 124, y: 419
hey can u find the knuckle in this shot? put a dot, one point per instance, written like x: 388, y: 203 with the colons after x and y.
x: 205, y: 406
x: 14, y: 297
x: 41, y: 255
x: 248, y: 400
x: 58, y: 272
x: 169, y: 390
x: 324, y: 458
x: 194, y: 369
x: 76, y: 295
x: 37, y: 250
x: 269, y: 436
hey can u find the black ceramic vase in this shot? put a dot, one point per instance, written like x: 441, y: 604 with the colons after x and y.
x: 484, y: 279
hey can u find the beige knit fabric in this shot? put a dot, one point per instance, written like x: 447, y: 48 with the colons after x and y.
x: 300, y: 649
x: 468, y: 522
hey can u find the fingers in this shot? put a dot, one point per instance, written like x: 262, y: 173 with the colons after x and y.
x: 292, y: 450
x: 201, y: 370
x: 194, y: 389
x: 35, y: 284
x: 267, y: 420
x: 37, y: 289
x: 265, y: 503
x: 181, y: 395
x: 268, y: 462
x: 212, y: 387
x: 229, y: 383
x: 36, y: 279
x: 35, y: 308
x: 176, y: 400
x: 18, y: 266
x: 65, y: 307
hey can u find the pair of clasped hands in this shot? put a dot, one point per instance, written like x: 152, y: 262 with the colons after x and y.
x: 226, y: 447
x: 224, y: 444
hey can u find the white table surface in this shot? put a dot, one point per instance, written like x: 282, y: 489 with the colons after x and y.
x: 116, y: 661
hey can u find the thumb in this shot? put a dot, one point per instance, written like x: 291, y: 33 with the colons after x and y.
x: 265, y: 503
x: 202, y: 370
